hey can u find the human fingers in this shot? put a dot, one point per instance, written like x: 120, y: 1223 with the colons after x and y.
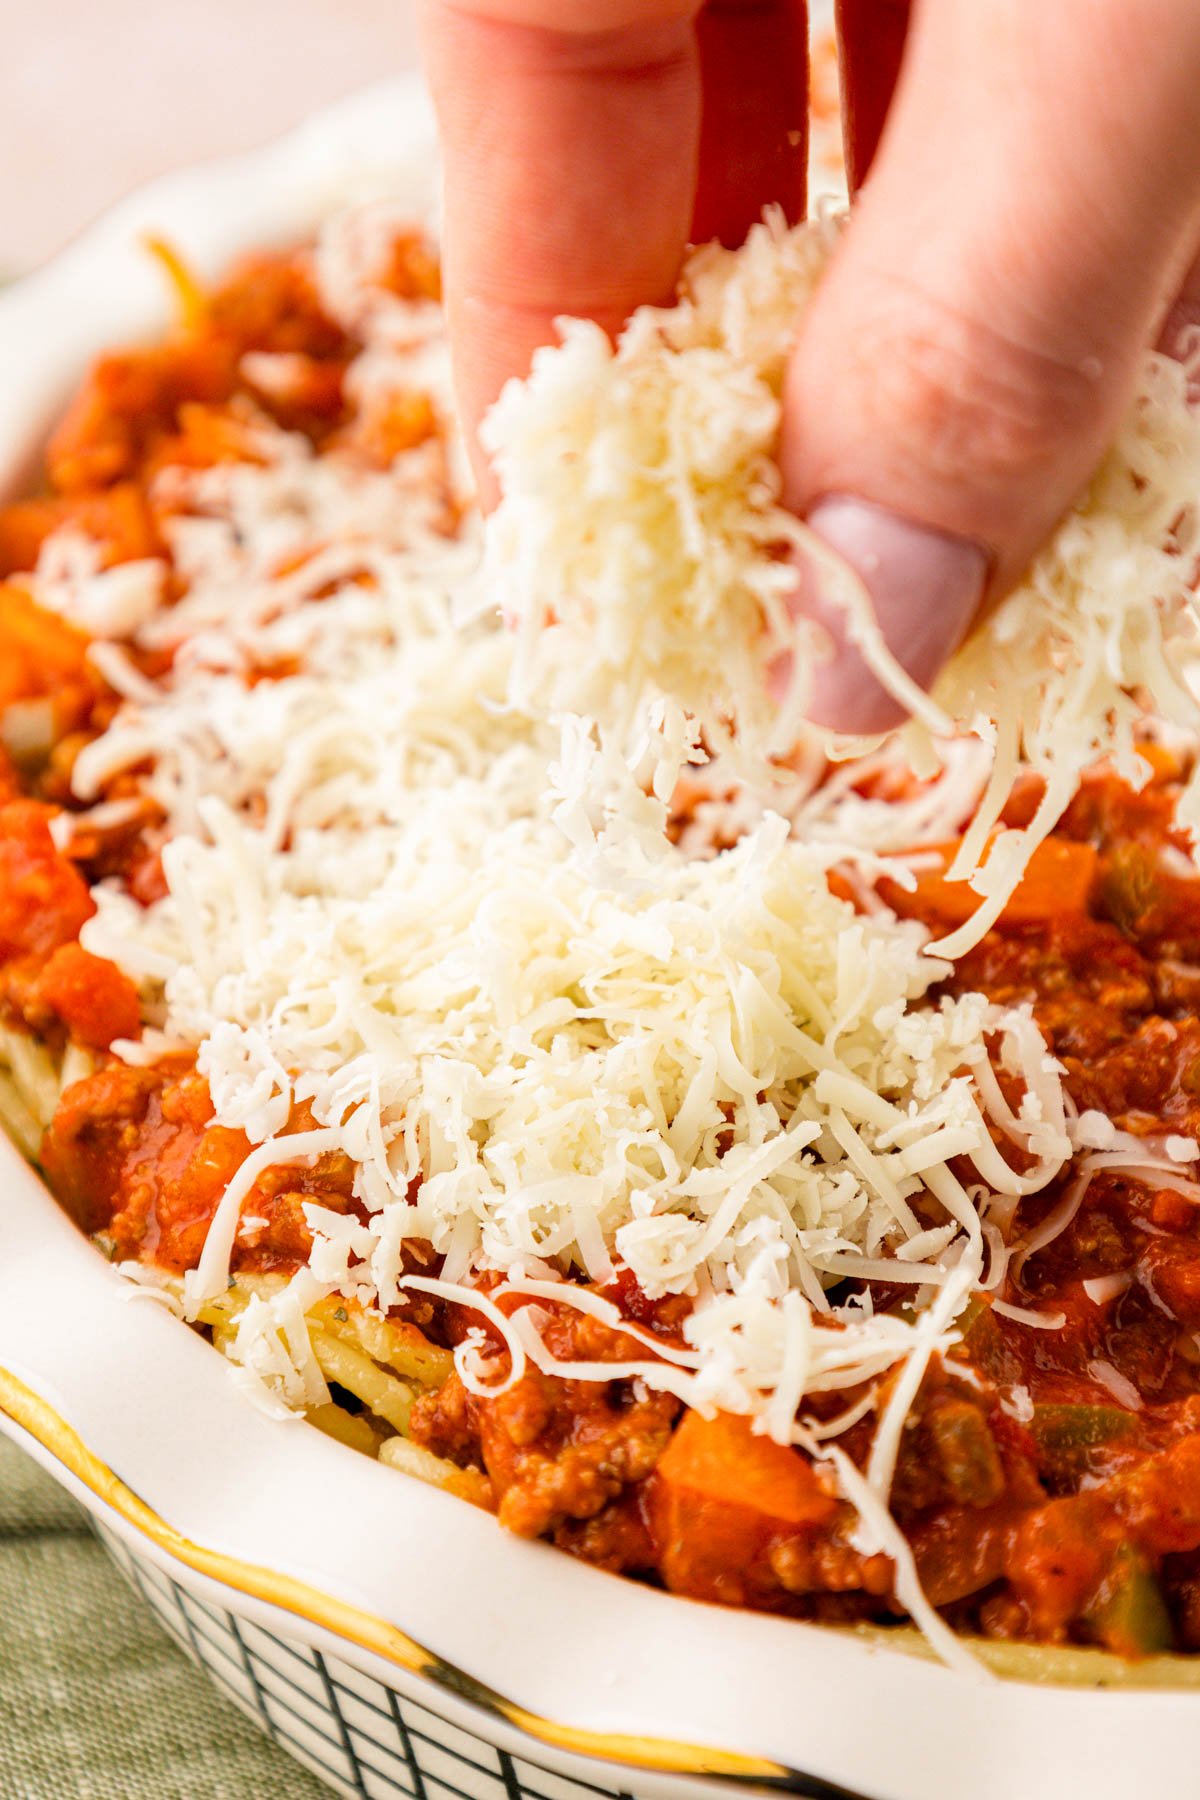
x: 1028, y: 218
x: 570, y: 133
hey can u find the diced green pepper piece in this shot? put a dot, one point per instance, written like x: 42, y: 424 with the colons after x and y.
x: 982, y: 1344
x: 1130, y: 887
x: 966, y: 1453
x: 1129, y: 1616
x: 1067, y: 1436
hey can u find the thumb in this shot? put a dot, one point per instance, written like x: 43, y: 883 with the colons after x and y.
x: 979, y: 334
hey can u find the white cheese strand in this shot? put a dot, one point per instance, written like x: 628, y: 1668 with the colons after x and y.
x: 930, y: 1329
x: 210, y: 1277
x: 476, y: 1301
x: 878, y: 1531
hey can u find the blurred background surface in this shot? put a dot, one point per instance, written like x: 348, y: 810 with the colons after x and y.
x: 98, y: 95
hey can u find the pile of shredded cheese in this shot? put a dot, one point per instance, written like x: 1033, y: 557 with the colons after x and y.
x: 640, y: 501
x: 553, y: 1042
x: 642, y: 552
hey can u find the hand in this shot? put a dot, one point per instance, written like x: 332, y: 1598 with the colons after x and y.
x: 1031, y: 216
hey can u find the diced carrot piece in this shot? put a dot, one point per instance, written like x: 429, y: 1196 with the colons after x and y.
x: 43, y: 899
x: 1169, y: 1270
x: 96, y: 440
x: 271, y: 302
x: 718, y: 1496
x: 724, y: 1461
x: 1057, y: 882
x: 837, y: 884
x: 385, y: 430
x: 207, y: 435
x: 1165, y: 764
x: 128, y: 401
x: 412, y: 271
x: 39, y: 652
x: 117, y: 519
x: 24, y: 527
x: 1173, y: 1212
x: 93, y: 998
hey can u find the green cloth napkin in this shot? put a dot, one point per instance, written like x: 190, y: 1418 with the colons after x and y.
x: 96, y: 1702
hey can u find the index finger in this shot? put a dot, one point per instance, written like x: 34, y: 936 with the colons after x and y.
x: 570, y: 133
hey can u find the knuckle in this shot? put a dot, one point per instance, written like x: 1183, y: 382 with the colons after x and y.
x: 970, y: 397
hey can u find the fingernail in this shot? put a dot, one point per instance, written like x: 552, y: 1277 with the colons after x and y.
x: 926, y: 587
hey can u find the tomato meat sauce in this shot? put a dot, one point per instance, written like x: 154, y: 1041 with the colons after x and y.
x: 1048, y: 1475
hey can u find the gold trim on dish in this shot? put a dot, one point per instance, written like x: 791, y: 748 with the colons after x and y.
x: 38, y: 1418
x: 1070, y: 1666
